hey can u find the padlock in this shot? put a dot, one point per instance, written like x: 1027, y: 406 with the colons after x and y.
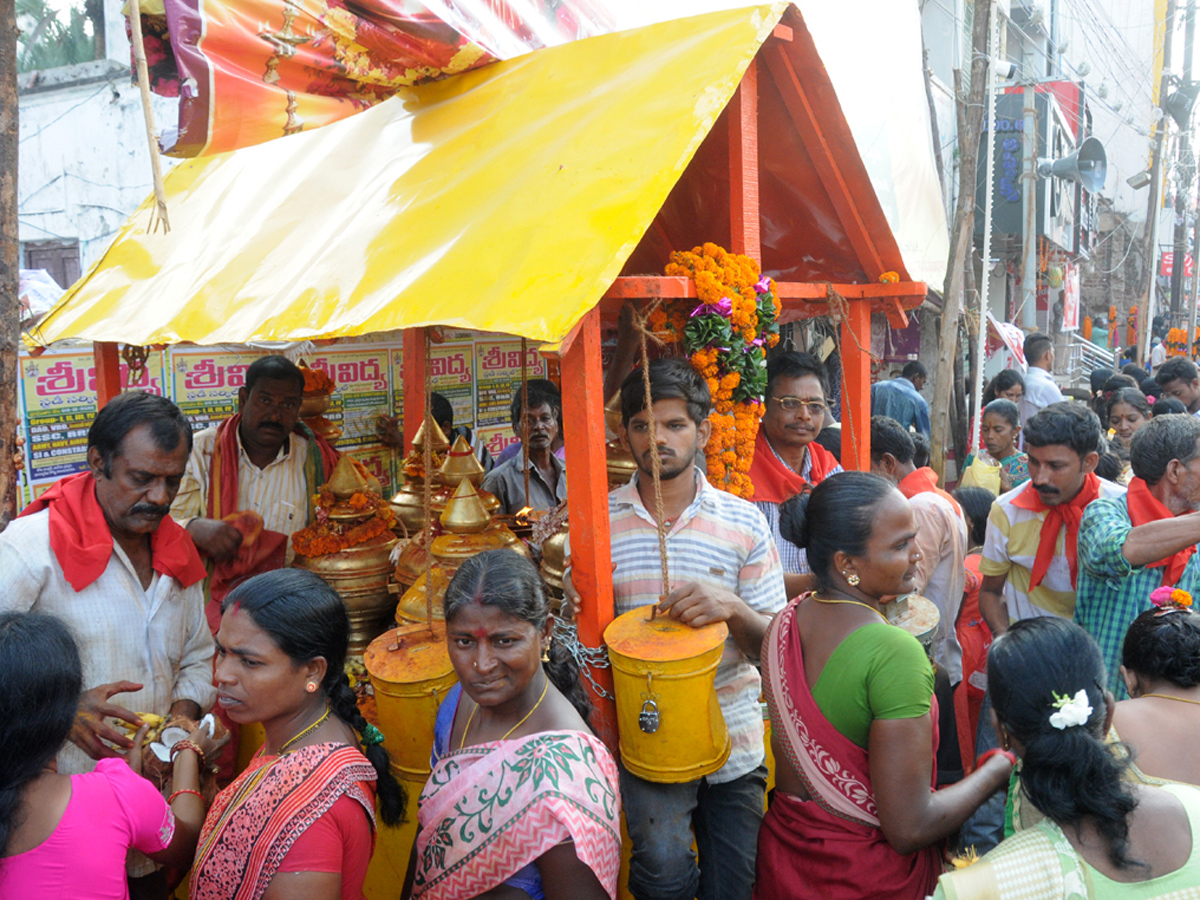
x: 648, y: 719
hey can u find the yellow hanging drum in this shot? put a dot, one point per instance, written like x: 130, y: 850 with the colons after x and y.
x: 411, y: 673
x: 668, y: 719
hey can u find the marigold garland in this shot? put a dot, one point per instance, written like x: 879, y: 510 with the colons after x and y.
x: 725, y: 337
x: 316, y: 381
x: 326, y: 536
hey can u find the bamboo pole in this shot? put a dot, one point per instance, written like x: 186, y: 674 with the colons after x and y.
x: 10, y: 266
x: 961, y: 239
x: 159, y: 214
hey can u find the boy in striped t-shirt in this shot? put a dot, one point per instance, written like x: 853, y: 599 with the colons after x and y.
x: 724, y: 567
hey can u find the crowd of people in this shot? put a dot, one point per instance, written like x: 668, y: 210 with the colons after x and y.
x: 1043, y: 725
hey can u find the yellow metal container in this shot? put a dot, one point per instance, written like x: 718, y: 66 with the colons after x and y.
x: 670, y: 725
x: 410, y: 670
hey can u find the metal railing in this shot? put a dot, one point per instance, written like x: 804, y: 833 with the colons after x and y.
x: 1073, y: 368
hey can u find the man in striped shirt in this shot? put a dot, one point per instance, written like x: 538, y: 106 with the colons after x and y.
x: 724, y: 567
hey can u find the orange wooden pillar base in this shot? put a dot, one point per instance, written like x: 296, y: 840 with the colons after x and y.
x: 413, y: 366
x: 855, y: 336
x: 108, y: 372
x: 587, y: 496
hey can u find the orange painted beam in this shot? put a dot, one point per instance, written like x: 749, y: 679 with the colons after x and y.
x: 855, y: 332
x: 108, y: 372
x: 894, y: 310
x: 650, y: 287
x: 743, y: 167
x: 587, y: 498
x: 824, y: 158
x: 801, y: 290
x: 414, y: 382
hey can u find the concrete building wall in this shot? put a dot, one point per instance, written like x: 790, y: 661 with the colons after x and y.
x: 84, y: 158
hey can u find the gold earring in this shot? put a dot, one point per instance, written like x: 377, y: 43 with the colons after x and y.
x: 852, y: 580
x: 546, y: 654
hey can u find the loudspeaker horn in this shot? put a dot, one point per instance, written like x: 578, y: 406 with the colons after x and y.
x: 1088, y: 165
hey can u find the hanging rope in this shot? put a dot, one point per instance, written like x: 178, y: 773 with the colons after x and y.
x: 525, y: 419
x: 640, y: 323
x: 427, y: 466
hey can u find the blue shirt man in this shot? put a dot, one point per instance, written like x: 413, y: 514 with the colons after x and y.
x: 901, y: 399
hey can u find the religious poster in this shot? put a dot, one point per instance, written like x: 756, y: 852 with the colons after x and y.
x: 58, y: 393
x: 1071, y: 299
x: 451, y: 368
x: 207, y: 381
x: 361, y: 395
x: 497, y: 377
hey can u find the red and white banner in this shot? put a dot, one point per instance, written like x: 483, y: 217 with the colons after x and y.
x: 1168, y: 263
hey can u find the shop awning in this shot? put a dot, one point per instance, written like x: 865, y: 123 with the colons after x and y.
x: 505, y: 199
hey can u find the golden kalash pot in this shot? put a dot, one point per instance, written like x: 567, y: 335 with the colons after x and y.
x: 620, y: 462
x: 411, y: 674
x: 468, y: 530
x: 409, y: 502
x: 554, y: 564
x: 357, y: 568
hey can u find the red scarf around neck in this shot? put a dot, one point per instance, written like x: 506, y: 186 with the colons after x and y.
x: 269, y: 551
x: 774, y: 482
x: 1068, y: 514
x: 925, y: 481
x: 83, y: 544
x: 1145, y: 508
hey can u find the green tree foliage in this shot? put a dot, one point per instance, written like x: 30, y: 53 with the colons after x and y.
x: 52, y: 37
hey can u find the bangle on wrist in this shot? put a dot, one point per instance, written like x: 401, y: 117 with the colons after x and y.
x: 171, y: 799
x: 1007, y: 754
x: 188, y: 745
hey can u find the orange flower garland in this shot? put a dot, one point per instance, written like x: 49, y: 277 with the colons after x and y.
x: 326, y: 536
x: 725, y: 337
x: 316, y: 381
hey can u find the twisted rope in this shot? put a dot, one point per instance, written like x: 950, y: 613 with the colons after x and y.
x: 644, y: 334
x: 427, y: 464
x: 525, y: 419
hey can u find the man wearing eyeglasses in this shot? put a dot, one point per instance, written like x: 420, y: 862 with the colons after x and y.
x: 901, y: 399
x: 787, y: 458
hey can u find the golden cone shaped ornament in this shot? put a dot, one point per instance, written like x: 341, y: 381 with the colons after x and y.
x: 461, y: 465
x: 437, y: 437
x: 346, y: 480
x: 465, y: 512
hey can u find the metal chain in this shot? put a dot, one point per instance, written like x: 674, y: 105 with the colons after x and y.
x: 588, y: 658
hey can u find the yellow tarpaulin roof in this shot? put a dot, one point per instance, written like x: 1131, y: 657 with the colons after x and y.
x: 504, y: 199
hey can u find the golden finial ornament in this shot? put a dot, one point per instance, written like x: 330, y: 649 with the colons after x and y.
x: 439, y: 441
x: 465, y: 512
x: 461, y: 464
x: 346, y: 480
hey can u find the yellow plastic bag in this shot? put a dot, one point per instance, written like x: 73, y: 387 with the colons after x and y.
x: 982, y: 473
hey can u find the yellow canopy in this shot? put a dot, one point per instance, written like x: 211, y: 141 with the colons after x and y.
x: 504, y: 199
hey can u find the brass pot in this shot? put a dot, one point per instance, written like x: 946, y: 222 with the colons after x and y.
x: 409, y: 504
x: 360, y: 576
x: 314, y: 404
x: 554, y: 561
x: 411, y: 608
x: 620, y: 464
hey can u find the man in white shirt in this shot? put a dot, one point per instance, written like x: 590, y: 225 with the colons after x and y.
x: 1158, y: 355
x: 99, y: 551
x: 1179, y: 378
x: 1040, y: 389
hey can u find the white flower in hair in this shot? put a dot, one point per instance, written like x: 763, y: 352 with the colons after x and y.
x: 1071, y: 711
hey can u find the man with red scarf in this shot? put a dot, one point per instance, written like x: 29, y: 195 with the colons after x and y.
x: 1130, y: 545
x: 99, y: 551
x: 262, y: 460
x: 1030, y: 556
x: 787, y: 458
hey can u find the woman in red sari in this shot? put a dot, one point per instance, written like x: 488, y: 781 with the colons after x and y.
x: 300, y: 821
x: 853, y: 717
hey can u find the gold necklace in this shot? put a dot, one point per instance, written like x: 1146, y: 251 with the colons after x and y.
x: 307, y: 731
x: 855, y: 603
x: 471, y: 718
x: 1169, y: 697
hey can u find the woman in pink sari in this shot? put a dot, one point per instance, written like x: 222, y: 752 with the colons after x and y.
x: 853, y: 717
x: 523, y: 798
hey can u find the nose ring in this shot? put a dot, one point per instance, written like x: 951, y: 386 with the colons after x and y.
x: 475, y: 665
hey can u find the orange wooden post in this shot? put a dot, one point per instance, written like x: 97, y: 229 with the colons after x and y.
x: 856, y: 386
x: 743, y: 167
x: 587, y: 495
x: 414, y: 382
x: 108, y: 372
